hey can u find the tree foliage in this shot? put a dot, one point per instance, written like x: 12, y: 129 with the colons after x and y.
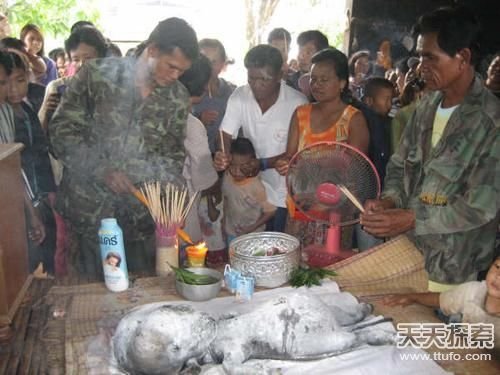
x: 259, y: 14
x: 54, y: 17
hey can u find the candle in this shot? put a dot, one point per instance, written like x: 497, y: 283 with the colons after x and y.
x: 196, y: 254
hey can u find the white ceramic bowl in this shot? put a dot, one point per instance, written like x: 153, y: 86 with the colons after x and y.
x: 269, y: 271
x: 200, y: 292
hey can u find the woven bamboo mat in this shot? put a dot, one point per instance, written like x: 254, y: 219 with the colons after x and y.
x: 80, y: 338
x: 395, y: 266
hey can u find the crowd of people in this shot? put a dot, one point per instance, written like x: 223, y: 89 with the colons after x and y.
x: 95, y: 125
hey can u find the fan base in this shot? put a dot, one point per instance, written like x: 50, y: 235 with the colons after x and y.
x: 318, y: 256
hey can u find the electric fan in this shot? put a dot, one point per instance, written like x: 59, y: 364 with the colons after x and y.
x: 329, y: 182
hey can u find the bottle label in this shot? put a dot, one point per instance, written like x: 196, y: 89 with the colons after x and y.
x: 113, y: 260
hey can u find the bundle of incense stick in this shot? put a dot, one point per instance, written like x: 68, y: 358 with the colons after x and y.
x: 167, y: 205
x: 351, y: 197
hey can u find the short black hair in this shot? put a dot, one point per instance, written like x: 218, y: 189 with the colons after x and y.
x: 335, y: 58
x: 216, y: 44
x: 264, y: 55
x: 319, y: 39
x: 242, y: 146
x: 79, y: 24
x: 373, y: 84
x: 56, y: 53
x: 6, y: 62
x: 88, y: 35
x: 113, y: 50
x: 279, y: 33
x: 175, y: 33
x: 456, y: 28
x: 355, y: 57
x: 13, y: 43
x: 195, y: 79
x: 19, y: 62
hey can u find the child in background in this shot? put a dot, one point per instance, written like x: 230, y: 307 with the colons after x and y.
x: 34, y: 161
x: 378, y: 97
x: 475, y: 301
x: 377, y: 102
x: 246, y: 208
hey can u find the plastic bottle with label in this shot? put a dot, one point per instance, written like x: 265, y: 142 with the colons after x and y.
x: 113, y: 255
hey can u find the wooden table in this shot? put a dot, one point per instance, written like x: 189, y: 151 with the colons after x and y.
x: 37, y: 350
x: 14, y: 279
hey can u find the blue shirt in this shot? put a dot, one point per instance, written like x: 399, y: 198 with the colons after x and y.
x: 217, y: 103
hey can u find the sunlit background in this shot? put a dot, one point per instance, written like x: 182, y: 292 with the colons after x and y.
x: 129, y: 21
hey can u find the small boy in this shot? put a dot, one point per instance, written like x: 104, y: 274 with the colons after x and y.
x: 378, y: 95
x: 246, y: 208
x: 476, y: 301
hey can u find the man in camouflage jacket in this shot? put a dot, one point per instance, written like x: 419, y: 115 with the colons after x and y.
x: 122, y: 122
x: 446, y: 196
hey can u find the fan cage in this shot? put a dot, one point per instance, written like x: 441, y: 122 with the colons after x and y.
x: 336, y: 163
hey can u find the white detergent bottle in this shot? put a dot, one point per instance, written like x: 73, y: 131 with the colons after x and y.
x: 113, y: 255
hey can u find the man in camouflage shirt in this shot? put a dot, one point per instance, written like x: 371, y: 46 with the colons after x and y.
x: 122, y: 122
x: 442, y: 183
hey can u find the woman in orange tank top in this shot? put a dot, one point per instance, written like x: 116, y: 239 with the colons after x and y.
x: 329, y: 119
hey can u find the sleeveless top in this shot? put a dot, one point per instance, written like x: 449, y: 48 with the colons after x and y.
x: 339, y: 131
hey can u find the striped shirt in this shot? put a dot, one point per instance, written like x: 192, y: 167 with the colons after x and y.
x: 7, y: 127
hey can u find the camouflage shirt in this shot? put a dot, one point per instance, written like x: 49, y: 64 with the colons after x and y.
x: 453, y: 188
x: 103, y: 123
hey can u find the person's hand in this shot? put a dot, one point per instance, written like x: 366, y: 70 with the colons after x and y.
x: 221, y: 161
x: 251, y: 168
x: 377, y: 205
x: 398, y: 300
x: 53, y: 101
x: 388, y: 223
x: 281, y: 165
x: 118, y: 182
x: 208, y: 117
x: 36, y: 232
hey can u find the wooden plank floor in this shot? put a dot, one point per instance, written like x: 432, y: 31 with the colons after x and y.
x: 26, y: 352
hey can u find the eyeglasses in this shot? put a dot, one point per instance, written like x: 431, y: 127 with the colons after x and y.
x: 261, y: 80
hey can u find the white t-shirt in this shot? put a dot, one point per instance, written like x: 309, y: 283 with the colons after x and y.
x: 267, y: 131
x: 468, y: 299
x: 440, y: 120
